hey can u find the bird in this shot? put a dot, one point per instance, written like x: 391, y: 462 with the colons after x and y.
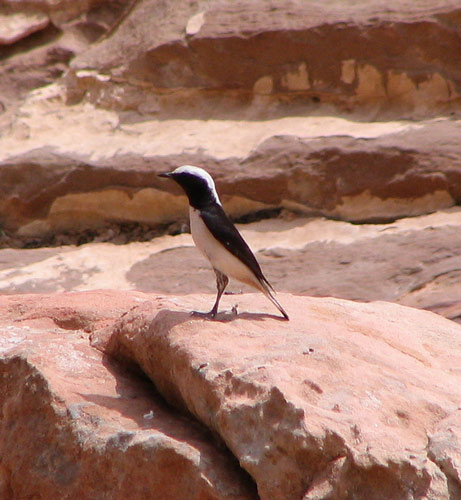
x: 217, y: 238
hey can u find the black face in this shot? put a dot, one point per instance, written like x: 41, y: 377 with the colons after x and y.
x: 196, y: 188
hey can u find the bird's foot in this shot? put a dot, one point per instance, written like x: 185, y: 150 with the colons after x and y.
x: 208, y: 315
x: 213, y: 315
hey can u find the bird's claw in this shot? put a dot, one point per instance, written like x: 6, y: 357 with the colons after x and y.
x: 206, y: 315
x: 212, y: 314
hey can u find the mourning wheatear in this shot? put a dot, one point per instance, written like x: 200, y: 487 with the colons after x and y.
x: 217, y: 238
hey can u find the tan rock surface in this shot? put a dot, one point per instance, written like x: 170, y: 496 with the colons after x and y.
x: 341, y: 402
x: 413, y: 261
x: 110, y: 177
x: 279, y: 121
x: 282, y: 56
x: 277, y: 57
x: 41, y: 37
x: 74, y: 425
x: 17, y: 25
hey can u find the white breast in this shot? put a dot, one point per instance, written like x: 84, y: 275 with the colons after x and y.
x: 219, y: 257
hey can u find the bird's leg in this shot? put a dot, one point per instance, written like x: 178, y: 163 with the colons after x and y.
x: 221, y: 282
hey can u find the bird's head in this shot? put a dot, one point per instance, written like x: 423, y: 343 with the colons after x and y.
x: 197, y: 184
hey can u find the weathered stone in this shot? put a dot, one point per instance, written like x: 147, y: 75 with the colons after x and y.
x: 74, y: 425
x: 42, y: 37
x: 159, y: 81
x: 337, y: 403
x: 279, y: 56
x: 17, y: 25
x: 412, y: 261
x: 275, y: 60
x: 445, y: 450
x: 45, y: 190
x: 70, y: 14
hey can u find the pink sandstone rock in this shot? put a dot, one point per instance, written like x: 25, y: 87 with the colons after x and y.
x: 346, y: 401
x: 74, y: 425
x: 339, y: 403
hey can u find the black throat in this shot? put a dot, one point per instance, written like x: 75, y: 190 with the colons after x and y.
x: 196, y: 189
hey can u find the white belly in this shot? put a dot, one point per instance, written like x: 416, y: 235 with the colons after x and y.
x: 219, y: 257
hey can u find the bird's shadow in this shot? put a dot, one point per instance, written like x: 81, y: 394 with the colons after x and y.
x: 221, y: 317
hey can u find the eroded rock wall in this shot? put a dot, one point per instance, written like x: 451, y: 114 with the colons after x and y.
x: 348, y: 111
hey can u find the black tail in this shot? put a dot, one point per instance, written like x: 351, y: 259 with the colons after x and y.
x: 269, y: 291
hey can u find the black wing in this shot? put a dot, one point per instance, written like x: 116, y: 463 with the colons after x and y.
x: 222, y: 228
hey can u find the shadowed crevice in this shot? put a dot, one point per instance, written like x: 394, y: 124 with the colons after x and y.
x: 175, y: 421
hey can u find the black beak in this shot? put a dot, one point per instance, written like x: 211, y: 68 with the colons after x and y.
x: 166, y: 174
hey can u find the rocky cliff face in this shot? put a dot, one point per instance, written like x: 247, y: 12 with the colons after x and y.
x: 333, y: 128
x: 344, y: 110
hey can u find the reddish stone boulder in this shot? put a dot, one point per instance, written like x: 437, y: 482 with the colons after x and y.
x: 337, y: 403
x: 346, y: 400
x: 75, y: 425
